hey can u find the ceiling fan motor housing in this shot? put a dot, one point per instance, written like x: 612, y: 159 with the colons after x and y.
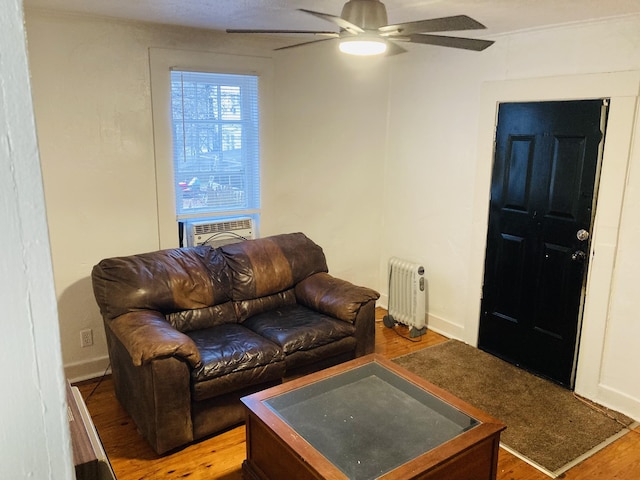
x: 367, y: 14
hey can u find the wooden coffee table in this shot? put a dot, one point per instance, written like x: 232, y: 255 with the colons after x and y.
x: 366, y: 419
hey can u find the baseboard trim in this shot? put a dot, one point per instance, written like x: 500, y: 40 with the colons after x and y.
x: 616, y: 400
x: 87, y: 370
x: 445, y: 327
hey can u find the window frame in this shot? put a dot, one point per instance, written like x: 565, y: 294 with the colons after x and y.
x: 161, y: 63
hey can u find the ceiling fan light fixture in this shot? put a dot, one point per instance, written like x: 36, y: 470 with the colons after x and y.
x: 363, y: 46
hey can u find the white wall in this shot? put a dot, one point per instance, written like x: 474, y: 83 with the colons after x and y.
x: 92, y: 95
x: 34, y: 433
x: 441, y: 122
x: 325, y: 177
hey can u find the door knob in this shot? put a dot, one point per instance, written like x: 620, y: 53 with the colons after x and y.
x: 582, y: 235
x: 578, y: 256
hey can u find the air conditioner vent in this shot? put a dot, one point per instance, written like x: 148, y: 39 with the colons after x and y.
x: 240, y: 224
x: 219, y: 232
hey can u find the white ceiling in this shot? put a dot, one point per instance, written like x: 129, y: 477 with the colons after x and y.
x: 499, y: 16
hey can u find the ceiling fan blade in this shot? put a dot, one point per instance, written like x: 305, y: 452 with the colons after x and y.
x: 309, y: 32
x: 444, y: 24
x: 304, y: 43
x: 394, y: 49
x: 341, y: 22
x: 453, y: 42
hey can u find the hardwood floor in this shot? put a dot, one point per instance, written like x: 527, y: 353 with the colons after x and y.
x: 221, y: 456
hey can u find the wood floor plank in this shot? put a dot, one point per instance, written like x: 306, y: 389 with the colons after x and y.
x: 511, y: 467
x: 618, y: 461
x: 220, y: 457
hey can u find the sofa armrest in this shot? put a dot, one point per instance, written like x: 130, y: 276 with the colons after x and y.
x: 333, y: 296
x: 156, y: 394
x: 146, y: 335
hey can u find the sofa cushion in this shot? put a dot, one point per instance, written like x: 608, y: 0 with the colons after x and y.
x: 199, y: 318
x: 253, y: 306
x: 270, y: 265
x: 297, y: 328
x: 231, y: 348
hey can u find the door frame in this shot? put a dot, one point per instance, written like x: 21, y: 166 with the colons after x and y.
x: 622, y: 90
x: 511, y: 340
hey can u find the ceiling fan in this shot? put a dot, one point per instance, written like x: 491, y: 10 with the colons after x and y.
x: 364, y: 30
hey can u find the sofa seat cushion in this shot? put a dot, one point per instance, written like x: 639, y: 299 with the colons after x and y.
x: 231, y: 348
x: 296, y: 328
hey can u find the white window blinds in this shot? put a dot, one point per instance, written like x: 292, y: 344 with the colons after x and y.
x: 216, y: 150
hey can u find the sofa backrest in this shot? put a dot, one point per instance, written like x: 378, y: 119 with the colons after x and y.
x: 271, y: 265
x: 200, y: 287
x: 191, y: 280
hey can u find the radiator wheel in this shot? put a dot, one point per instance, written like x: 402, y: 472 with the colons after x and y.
x: 417, y: 332
x: 388, y: 321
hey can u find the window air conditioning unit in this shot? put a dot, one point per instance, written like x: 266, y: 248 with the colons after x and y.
x: 217, y: 233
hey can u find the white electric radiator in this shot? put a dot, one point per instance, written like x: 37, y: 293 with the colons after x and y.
x: 407, y: 296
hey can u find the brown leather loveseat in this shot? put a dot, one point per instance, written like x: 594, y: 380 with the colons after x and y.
x: 192, y: 330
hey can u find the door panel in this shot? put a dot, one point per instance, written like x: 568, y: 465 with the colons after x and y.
x: 518, y: 173
x: 566, y: 171
x: 509, y: 276
x: 541, y: 194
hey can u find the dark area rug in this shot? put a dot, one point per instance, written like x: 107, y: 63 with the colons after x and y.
x: 546, y: 423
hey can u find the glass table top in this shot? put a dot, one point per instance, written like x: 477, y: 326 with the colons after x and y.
x: 369, y: 420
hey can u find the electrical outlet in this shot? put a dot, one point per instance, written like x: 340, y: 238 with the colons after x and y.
x: 86, y: 337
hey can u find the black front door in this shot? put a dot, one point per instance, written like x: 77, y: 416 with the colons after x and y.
x: 542, y: 196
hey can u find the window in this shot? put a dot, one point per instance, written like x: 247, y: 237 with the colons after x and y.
x: 216, y: 151
x: 232, y: 68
